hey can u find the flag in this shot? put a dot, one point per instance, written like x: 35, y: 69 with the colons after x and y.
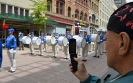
x: 4, y: 26
x: 0, y: 53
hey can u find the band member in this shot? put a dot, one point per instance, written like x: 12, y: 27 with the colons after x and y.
x: 66, y: 48
x: 11, y: 49
x: 41, y: 45
x: 55, y: 46
x: 98, y: 45
x: 85, y: 49
x: 79, y: 50
x: 45, y: 44
x: 103, y: 44
x: 31, y: 45
x: 21, y: 45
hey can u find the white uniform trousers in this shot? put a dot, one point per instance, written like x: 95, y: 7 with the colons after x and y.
x: 45, y: 46
x: 85, y: 52
x: 66, y: 51
x: 41, y: 48
x: 55, y: 49
x: 98, y: 49
x: 103, y: 46
x: 79, y: 51
x: 11, y: 56
x: 90, y: 47
x: 31, y: 48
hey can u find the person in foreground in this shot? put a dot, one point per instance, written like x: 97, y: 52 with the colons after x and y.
x: 119, y: 48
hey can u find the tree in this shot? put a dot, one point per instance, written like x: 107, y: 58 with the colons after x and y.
x: 39, y: 9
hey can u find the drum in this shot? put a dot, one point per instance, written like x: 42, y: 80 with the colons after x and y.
x: 76, y: 37
x: 36, y: 41
x: 50, y: 40
x: 62, y: 41
x: 80, y: 42
x: 93, y: 37
x: 26, y: 40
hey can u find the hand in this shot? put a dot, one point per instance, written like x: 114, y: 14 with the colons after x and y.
x: 81, y: 73
x: 42, y: 42
x: 2, y: 45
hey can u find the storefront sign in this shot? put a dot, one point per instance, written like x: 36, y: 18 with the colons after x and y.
x: 77, y: 23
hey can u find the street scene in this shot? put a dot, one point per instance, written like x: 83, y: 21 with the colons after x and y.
x: 66, y: 41
x: 44, y: 69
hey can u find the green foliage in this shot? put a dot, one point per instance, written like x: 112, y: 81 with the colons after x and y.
x: 39, y: 9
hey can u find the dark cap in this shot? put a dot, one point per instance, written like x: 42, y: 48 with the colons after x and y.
x: 122, y: 20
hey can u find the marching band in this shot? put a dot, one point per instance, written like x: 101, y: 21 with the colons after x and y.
x: 55, y: 41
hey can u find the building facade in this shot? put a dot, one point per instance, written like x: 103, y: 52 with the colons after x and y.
x: 119, y: 3
x: 106, y: 8
x: 72, y: 15
x: 93, y: 15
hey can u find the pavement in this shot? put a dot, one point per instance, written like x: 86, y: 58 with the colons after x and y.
x: 44, y: 69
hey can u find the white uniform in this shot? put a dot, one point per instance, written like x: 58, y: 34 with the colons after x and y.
x: 55, y: 47
x: 41, y: 45
x: 98, y: 46
x: 31, y: 46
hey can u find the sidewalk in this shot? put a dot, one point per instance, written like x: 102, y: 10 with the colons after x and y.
x: 44, y: 69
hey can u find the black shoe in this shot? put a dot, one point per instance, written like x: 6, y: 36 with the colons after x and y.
x: 64, y: 58
x: 12, y: 71
x: 97, y: 56
x: 94, y: 56
x: 54, y: 56
x: 101, y: 54
x: 67, y: 58
x: 32, y: 53
x: 9, y: 70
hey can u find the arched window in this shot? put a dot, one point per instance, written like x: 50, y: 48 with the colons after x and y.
x: 90, y: 19
x: 69, y: 11
x: 85, y: 17
x: 49, y: 5
x: 77, y: 13
x: 81, y: 16
x: 93, y: 18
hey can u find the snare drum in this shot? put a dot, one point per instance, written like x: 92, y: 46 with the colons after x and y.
x: 26, y: 40
x: 93, y: 37
x: 81, y: 42
x: 36, y: 41
x: 50, y: 40
x: 62, y: 41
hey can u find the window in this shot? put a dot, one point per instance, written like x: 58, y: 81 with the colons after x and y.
x: 69, y: 12
x: 26, y: 12
x: 9, y: 9
x: 85, y: 17
x: 61, y: 8
x: 93, y: 18
x: 49, y: 6
x: 81, y: 16
x: 15, y: 10
x: 3, y: 8
x: 57, y: 7
x: 21, y: 12
x: 90, y: 19
x: 77, y: 14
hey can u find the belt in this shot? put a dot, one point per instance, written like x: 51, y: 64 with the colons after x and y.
x: 9, y: 48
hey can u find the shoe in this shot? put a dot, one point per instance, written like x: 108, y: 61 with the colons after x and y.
x: 54, y: 56
x: 97, y: 56
x: 65, y: 58
x: 12, y: 71
x: 101, y: 54
x: 32, y: 53
x: 9, y: 70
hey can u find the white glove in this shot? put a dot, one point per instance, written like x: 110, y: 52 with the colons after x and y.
x: 67, y: 42
x: 14, y: 51
x: 2, y: 45
x: 86, y: 42
x: 42, y: 42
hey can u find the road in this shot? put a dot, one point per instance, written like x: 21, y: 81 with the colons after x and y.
x: 44, y: 69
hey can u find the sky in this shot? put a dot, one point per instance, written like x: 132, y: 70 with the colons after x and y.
x: 129, y: 1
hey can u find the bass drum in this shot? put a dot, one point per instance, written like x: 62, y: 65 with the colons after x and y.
x: 26, y: 40
x: 50, y: 40
x: 62, y: 41
x: 93, y: 37
x: 36, y: 41
x: 81, y: 42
